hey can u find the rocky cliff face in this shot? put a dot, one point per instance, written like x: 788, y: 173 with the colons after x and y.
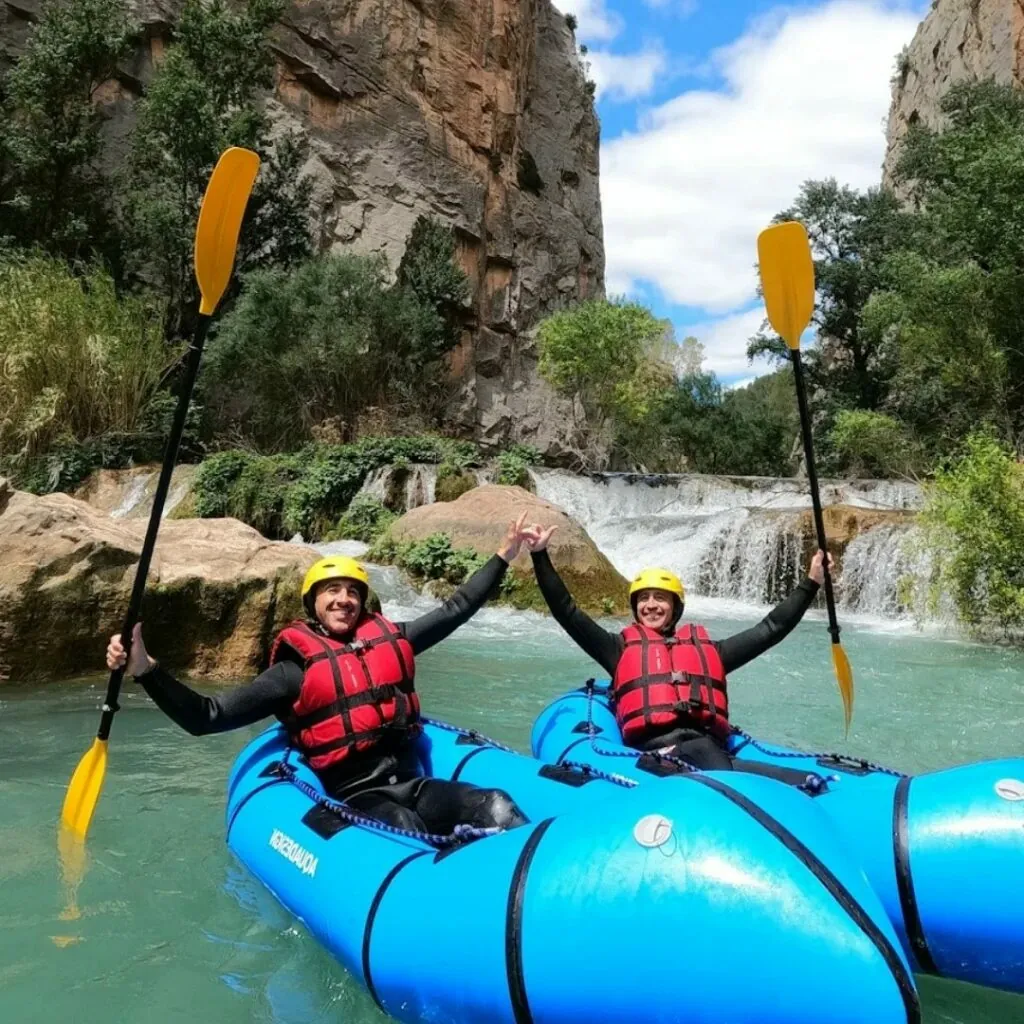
x: 959, y: 40
x: 474, y: 113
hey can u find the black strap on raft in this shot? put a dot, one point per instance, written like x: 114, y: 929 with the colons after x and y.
x: 371, y: 918
x: 905, y: 880
x: 835, y: 887
x: 514, y: 927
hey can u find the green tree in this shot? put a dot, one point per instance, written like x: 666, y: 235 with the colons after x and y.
x: 762, y: 424
x: 53, y: 192
x: 966, y: 182
x: 950, y: 375
x: 974, y: 526
x: 603, y: 356
x: 430, y: 270
x: 851, y: 234
x: 204, y: 97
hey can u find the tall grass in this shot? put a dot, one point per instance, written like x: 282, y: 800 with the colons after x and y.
x: 77, y: 362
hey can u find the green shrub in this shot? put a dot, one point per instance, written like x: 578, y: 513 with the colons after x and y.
x: 974, y: 526
x: 873, y: 444
x: 366, y: 520
x: 513, y: 465
x: 334, y: 335
x: 432, y: 558
x: 452, y: 482
x: 81, y: 372
x: 305, y: 492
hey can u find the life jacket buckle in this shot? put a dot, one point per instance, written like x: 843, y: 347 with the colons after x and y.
x: 356, y: 646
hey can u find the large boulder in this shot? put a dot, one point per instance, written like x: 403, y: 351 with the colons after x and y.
x: 479, y: 520
x: 218, y: 591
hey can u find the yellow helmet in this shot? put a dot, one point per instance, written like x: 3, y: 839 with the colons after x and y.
x: 657, y: 579
x: 334, y: 568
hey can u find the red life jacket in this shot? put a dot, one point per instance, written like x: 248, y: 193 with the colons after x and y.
x: 352, y: 693
x: 670, y: 682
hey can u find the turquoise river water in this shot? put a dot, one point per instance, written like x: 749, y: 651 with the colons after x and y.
x: 167, y: 927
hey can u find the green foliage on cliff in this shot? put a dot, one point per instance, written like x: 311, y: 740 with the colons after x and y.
x: 53, y: 192
x: 332, y: 338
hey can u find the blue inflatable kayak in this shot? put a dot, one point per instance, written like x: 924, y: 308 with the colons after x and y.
x: 944, y: 851
x: 547, y: 922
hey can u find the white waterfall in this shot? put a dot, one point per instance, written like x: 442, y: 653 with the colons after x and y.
x: 412, y: 486
x: 134, y: 494
x: 737, y: 538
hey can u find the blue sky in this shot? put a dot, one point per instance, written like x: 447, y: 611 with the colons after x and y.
x: 712, y: 113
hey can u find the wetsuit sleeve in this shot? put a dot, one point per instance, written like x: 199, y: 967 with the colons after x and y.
x: 430, y: 629
x: 271, y: 693
x: 604, y: 647
x: 737, y: 650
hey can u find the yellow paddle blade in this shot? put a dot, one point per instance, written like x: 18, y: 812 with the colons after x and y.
x: 787, y: 279
x: 84, y: 791
x: 72, y: 852
x: 844, y: 677
x: 220, y: 220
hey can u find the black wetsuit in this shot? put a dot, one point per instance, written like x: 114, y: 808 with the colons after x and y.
x: 693, y: 745
x: 386, y: 782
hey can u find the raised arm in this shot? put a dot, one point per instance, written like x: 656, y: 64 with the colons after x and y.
x: 740, y: 648
x: 604, y: 647
x: 271, y: 693
x: 430, y: 629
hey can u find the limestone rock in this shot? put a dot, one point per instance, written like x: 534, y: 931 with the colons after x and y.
x: 959, y: 40
x: 217, y: 591
x: 480, y: 518
x: 476, y: 114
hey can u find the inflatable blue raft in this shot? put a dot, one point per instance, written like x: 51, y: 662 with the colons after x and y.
x: 547, y: 922
x: 944, y: 851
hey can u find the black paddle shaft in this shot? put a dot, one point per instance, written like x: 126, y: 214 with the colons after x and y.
x: 195, y: 354
x: 812, y: 477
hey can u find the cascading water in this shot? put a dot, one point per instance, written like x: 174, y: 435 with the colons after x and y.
x: 738, y: 538
x: 408, y: 487
x: 135, y: 493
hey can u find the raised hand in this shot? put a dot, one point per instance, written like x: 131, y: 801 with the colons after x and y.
x: 514, y: 538
x: 537, y: 537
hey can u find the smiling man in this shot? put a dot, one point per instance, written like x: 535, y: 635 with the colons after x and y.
x: 341, y: 681
x: 669, y: 682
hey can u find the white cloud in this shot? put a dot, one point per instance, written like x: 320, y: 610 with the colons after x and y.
x: 684, y: 8
x: 804, y: 95
x: 725, y: 342
x: 596, y: 22
x: 626, y: 76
